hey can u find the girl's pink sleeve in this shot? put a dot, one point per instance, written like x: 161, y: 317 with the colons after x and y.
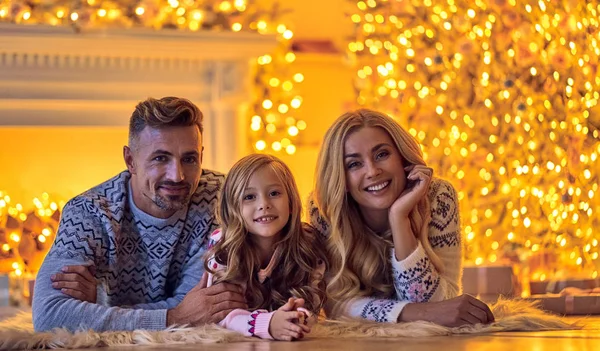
x: 255, y: 323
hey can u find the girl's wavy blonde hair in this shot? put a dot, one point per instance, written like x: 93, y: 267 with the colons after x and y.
x: 359, y: 258
x: 294, y: 274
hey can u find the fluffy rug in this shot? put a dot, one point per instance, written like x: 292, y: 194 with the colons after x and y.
x: 17, y: 333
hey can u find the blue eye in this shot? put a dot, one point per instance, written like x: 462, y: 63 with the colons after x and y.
x: 249, y: 197
x: 275, y: 193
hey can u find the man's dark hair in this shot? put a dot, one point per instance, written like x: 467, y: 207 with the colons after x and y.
x: 166, y: 112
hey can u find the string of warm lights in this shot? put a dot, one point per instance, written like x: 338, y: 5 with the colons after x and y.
x: 273, y: 122
x: 27, y: 235
x: 272, y: 114
x: 503, y: 95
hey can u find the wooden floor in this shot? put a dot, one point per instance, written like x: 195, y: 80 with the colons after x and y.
x: 512, y: 341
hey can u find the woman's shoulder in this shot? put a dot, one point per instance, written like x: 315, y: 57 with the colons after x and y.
x: 311, y: 233
x: 442, y: 188
x: 443, y: 201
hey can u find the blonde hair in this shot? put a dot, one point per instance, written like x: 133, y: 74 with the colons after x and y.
x: 295, y: 272
x: 359, y: 259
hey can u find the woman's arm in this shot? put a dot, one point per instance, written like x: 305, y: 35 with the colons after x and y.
x: 415, y: 278
x: 369, y: 308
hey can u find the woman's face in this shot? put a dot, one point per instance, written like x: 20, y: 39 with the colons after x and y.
x: 375, y: 175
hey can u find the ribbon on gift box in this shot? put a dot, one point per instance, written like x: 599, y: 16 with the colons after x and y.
x: 569, y: 304
x: 563, y: 280
x: 571, y: 294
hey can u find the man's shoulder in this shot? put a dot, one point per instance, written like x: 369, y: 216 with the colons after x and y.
x: 211, y: 178
x: 208, y: 188
x: 105, y: 197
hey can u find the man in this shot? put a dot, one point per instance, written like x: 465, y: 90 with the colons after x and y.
x: 141, y: 235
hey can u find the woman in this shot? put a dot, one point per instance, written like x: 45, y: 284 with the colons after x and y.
x: 393, y: 233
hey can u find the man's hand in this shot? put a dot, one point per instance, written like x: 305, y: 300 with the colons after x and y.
x: 77, y: 281
x: 287, y: 323
x: 203, y: 305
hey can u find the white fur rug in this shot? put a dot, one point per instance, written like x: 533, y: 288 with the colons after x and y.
x: 17, y: 333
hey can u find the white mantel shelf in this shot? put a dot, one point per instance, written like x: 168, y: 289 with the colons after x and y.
x: 134, y: 42
x: 53, y: 76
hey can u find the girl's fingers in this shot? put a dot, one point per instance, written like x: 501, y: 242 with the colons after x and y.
x: 292, y: 327
x: 305, y: 328
x: 299, y: 303
x: 289, y: 305
x: 294, y: 334
x: 291, y: 315
x: 285, y: 337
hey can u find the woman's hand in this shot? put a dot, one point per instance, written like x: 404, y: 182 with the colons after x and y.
x: 405, y: 241
x: 455, y: 312
x: 418, y: 180
x: 286, y: 321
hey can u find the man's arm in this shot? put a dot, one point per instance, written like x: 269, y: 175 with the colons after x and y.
x: 79, y: 241
x: 192, y: 271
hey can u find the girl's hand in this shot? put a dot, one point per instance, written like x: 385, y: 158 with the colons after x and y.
x: 285, y: 323
x: 418, y: 180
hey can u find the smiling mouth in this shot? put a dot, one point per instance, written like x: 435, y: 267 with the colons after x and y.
x: 378, y: 187
x: 171, y: 189
x: 265, y: 219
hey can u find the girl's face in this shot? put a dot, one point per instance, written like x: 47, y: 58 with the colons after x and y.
x: 375, y: 175
x: 265, y: 204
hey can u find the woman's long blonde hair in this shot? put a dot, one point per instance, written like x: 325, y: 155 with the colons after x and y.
x: 294, y: 274
x: 359, y: 258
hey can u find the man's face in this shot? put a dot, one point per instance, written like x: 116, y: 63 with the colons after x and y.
x: 165, y: 167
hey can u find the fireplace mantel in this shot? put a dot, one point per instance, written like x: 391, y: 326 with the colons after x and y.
x: 53, y: 76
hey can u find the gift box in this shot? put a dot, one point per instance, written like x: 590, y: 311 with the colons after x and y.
x: 586, y: 304
x: 540, y: 261
x: 4, y: 290
x: 490, y: 281
x: 555, y: 286
x: 29, y: 291
x: 19, y: 289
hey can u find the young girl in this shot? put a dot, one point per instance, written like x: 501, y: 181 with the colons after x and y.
x: 265, y: 248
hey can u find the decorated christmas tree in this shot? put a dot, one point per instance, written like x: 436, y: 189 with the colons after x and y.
x: 503, y: 96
